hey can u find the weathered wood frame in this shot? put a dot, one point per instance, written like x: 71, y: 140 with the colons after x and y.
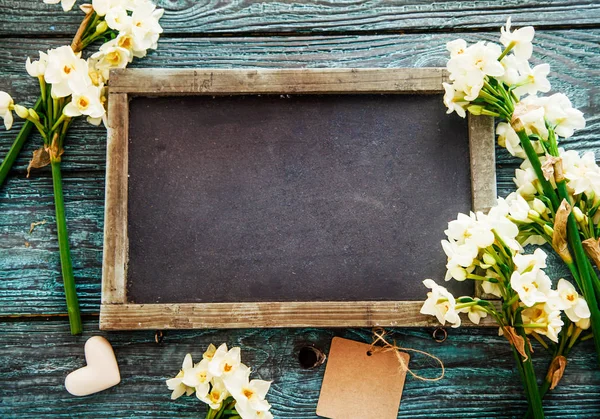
x: 117, y: 314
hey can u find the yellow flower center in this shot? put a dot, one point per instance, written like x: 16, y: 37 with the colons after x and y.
x: 201, y: 376
x: 125, y: 42
x: 227, y: 367
x: 67, y: 69
x: 114, y: 58
x: 571, y: 297
x: 479, y: 63
x: 83, y: 103
x: 215, y: 396
x: 248, y: 393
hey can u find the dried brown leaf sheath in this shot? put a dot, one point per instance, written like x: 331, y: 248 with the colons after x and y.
x: 515, y: 340
x: 556, y: 371
x: 592, y: 248
x: 40, y: 158
x: 559, y: 238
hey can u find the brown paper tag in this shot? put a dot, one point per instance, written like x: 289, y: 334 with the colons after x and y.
x: 357, y: 385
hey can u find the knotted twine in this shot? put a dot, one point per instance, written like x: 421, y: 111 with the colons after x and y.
x: 379, y: 337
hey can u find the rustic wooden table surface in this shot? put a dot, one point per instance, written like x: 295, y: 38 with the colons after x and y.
x: 36, y: 349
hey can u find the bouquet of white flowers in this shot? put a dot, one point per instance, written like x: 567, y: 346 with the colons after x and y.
x: 71, y: 86
x: 222, y: 382
x: 556, y: 202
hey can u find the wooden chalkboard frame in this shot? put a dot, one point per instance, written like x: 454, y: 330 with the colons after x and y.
x: 117, y: 314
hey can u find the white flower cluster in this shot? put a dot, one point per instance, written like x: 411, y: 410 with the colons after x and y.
x: 221, y: 375
x: 537, y: 114
x: 470, y: 235
x: 473, y: 67
x: 581, y: 172
x: 476, y: 241
x: 137, y: 24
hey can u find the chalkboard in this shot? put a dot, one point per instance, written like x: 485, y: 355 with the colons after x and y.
x: 285, y: 198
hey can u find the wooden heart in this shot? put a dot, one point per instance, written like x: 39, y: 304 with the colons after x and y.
x: 100, y: 373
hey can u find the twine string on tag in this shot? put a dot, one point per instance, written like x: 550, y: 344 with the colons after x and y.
x: 379, y: 337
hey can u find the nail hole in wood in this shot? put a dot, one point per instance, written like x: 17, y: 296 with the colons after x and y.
x: 310, y: 357
x: 369, y: 353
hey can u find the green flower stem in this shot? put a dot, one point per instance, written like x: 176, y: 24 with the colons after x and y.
x: 583, y: 267
x: 12, y: 154
x: 537, y: 167
x: 531, y: 386
x: 65, y: 251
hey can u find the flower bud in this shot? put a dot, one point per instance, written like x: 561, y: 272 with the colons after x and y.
x: 533, y: 214
x: 583, y: 324
x: 21, y: 111
x: 101, y: 27
x: 539, y: 206
x: 489, y: 259
x: 475, y: 109
x: 33, y: 115
x: 548, y: 230
x: 578, y: 214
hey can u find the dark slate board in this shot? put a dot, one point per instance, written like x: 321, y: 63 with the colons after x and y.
x: 302, y: 198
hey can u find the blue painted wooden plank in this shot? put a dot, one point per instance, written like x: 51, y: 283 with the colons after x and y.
x: 480, y: 382
x: 317, y: 16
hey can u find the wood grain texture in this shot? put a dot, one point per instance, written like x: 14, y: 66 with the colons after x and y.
x: 482, y: 140
x: 30, y: 276
x: 480, y: 381
x: 267, y: 314
x: 315, y: 16
x: 115, y: 249
x: 166, y: 82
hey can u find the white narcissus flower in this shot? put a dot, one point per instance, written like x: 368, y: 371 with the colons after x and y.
x: 6, y: 106
x: 491, y: 287
x: 249, y: 413
x: 532, y: 286
x: 456, y: 47
x: 533, y: 80
x: 518, y: 207
x: 102, y: 7
x: 65, y: 68
x: 511, y: 66
x: 454, y: 100
x: 108, y: 58
x: 530, y: 111
x: 217, y: 394
x: 176, y: 384
x: 482, y: 57
x: 574, y: 305
x: 144, y: 21
x: 66, y: 4
x: 118, y: 19
x: 582, y: 172
x: 525, y: 180
x: 224, y: 362
x: 548, y: 319
x: 561, y: 115
x: 520, y: 39
x: 537, y: 260
x: 508, y: 138
x: 198, y: 378
x: 248, y: 393
x: 475, y: 313
x: 86, y: 100
x: 441, y: 304
x: 37, y: 68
